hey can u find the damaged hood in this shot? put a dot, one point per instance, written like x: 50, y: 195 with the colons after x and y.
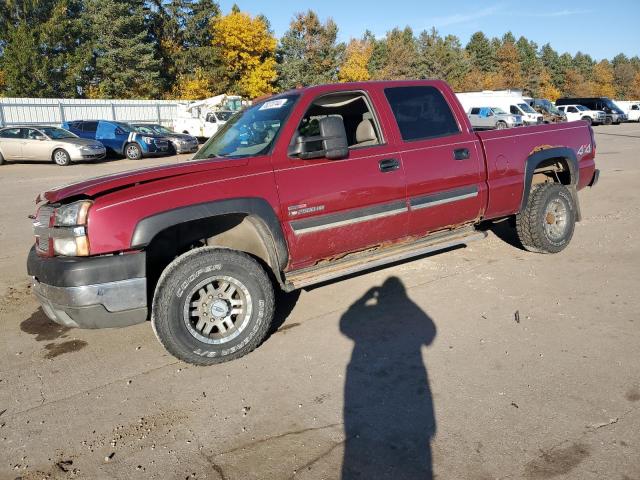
x: 94, y: 187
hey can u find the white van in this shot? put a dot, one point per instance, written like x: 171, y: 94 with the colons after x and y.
x: 511, y: 101
x: 631, y: 108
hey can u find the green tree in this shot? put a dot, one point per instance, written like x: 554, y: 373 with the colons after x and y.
x: 125, y: 64
x: 442, y: 58
x: 530, y: 65
x: 308, y: 53
x: 481, y: 52
x: 401, y: 56
x: 44, y: 52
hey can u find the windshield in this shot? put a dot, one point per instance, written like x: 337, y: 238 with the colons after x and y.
x: 612, y: 106
x: 57, y: 133
x: 224, y: 116
x: 125, y: 127
x: 498, y: 111
x: 148, y: 129
x: 251, y: 132
x: 526, y: 108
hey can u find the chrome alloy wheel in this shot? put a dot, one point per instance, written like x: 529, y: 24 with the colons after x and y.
x: 555, y: 220
x: 133, y: 152
x: 61, y: 157
x: 218, y: 309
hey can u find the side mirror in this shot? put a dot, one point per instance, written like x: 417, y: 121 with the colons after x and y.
x: 331, y: 143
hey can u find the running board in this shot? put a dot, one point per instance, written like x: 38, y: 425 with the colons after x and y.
x: 369, y: 259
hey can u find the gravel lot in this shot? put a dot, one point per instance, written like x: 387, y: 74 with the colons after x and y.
x: 487, y: 362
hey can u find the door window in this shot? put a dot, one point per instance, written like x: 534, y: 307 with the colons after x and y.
x: 11, y: 133
x: 89, y: 126
x: 32, y: 134
x: 572, y: 110
x: 421, y: 112
x: 353, y: 108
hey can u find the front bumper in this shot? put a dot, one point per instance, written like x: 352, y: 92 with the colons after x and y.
x: 93, y: 292
x: 89, y: 155
x: 185, y: 147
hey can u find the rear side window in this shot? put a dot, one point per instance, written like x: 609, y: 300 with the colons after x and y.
x: 475, y: 111
x: 11, y: 133
x: 89, y: 126
x: 421, y: 112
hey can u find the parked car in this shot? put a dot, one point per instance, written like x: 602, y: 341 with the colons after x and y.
x: 120, y: 138
x: 178, y: 142
x: 47, y: 143
x: 301, y: 188
x: 631, y: 108
x: 614, y: 115
x: 510, y: 101
x: 580, y: 112
x: 549, y: 112
x: 488, y: 118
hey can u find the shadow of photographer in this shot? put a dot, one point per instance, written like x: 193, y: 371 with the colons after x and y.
x: 389, y: 417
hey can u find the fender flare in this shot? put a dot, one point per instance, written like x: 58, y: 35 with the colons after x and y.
x: 535, y: 159
x: 149, y: 227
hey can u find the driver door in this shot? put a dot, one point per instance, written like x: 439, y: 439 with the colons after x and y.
x: 333, y: 207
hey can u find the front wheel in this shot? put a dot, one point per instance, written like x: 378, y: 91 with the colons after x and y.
x: 589, y: 120
x: 501, y: 125
x: 133, y: 151
x: 212, y: 305
x: 547, y: 222
x: 2, y: 162
x: 61, y: 157
x: 608, y: 121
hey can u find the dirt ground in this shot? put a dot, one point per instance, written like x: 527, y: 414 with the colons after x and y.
x: 487, y: 362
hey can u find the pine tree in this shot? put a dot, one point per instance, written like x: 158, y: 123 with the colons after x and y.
x: 442, y: 58
x: 308, y: 53
x: 482, y: 53
x: 401, y: 56
x: 124, y: 54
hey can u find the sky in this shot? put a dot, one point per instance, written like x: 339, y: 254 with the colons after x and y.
x: 601, y: 28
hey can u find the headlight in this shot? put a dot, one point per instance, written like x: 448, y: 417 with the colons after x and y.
x: 72, y: 214
x: 69, y: 232
x: 147, y: 140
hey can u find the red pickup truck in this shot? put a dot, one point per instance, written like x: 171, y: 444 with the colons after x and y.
x: 300, y: 188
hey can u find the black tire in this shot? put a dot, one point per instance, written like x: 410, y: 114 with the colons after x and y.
x: 2, y: 161
x: 589, y: 120
x: 542, y: 227
x: 133, y: 151
x: 501, y: 125
x: 61, y: 157
x: 177, y: 312
x: 608, y: 121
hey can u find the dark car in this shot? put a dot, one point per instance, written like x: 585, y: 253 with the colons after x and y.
x: 614, y: 114
x: 120, y: 138
x: 179, y: 142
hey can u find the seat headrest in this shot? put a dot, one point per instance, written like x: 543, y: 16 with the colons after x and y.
x: 365, y: 131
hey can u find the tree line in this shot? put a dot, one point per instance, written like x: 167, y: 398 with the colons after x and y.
x: 190, y: 49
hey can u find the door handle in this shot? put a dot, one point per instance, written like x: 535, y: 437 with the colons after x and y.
x: 461, y: 154
x: 389, y: 165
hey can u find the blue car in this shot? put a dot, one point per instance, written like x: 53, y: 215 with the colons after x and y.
x: 120, y: 138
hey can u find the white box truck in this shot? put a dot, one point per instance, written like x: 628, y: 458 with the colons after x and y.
x: 511, y: 101
x: 631, y: 108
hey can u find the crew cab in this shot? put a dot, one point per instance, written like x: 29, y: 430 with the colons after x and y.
x: 120, y: 138
x: 300, y: 188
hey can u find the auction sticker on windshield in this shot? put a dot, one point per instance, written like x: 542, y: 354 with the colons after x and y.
x: 278, y: 103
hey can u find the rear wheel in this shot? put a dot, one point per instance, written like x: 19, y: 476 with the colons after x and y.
x: 133, y: 151
x: 212, y: 305
x: 2, y: 162
x: 61, y: 157
x: 547, y: 222
x: 501, y: 125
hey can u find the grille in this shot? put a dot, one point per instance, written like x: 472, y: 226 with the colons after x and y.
x: 41, y: 228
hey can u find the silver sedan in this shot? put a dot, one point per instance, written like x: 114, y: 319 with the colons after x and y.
x: 47, y: 143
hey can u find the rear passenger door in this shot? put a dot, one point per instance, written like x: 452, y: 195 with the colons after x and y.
x: 11, y: 140
x: 442, y: 158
